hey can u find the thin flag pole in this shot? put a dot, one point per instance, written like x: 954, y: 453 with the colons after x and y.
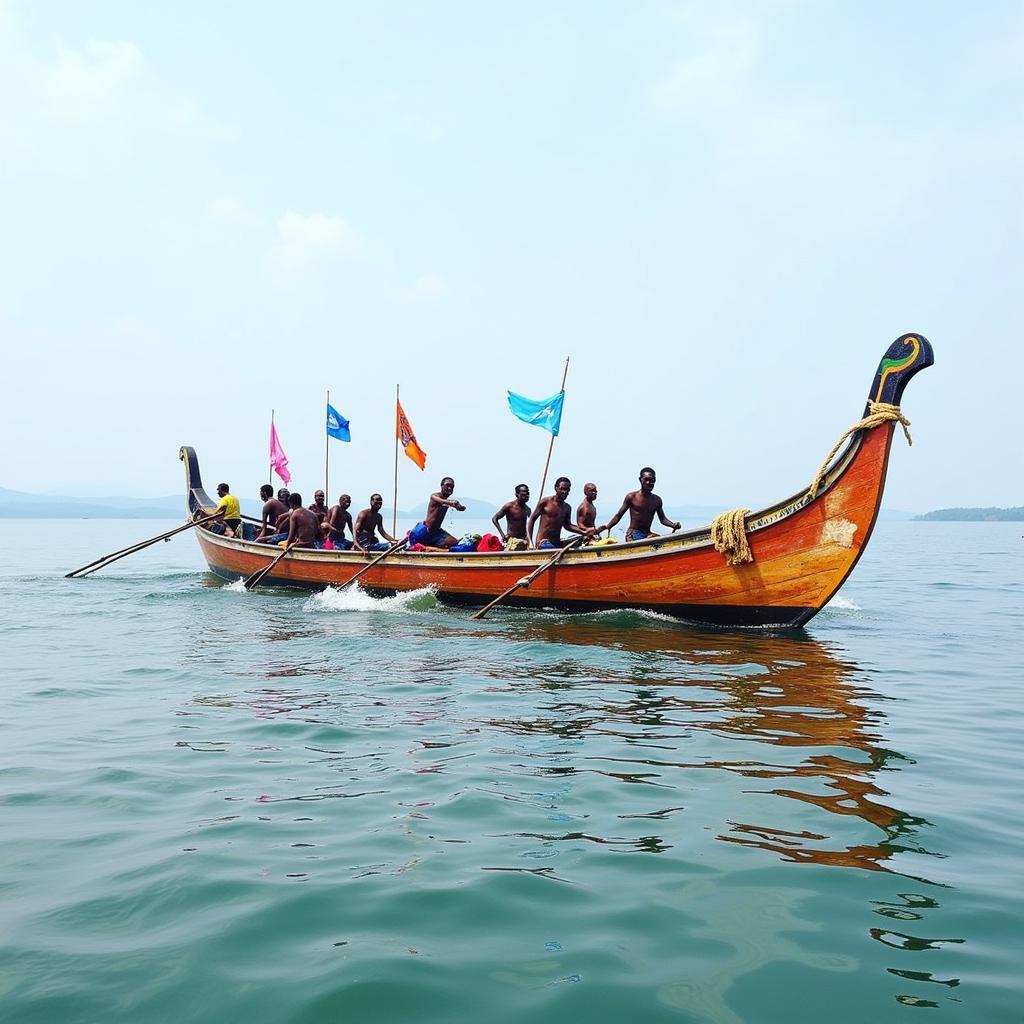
x: 270, y: 472
x: 394, y: 503
x: 544, y: 479
x: 327, y: 453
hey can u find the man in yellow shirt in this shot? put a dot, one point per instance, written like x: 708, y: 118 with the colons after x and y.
x: 229, y: 512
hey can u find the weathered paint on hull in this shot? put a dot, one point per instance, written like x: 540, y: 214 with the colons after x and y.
x: 802, y: 554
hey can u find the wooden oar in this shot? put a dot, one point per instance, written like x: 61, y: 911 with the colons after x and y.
x: 527, y: 580
x: 257, y: 576
x: 102, y: 563
x: 380, y: 558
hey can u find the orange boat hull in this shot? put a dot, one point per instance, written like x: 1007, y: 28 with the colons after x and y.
x: 800, y: 561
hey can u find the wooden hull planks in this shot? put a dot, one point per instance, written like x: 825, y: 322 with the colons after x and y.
x: 800, y: 560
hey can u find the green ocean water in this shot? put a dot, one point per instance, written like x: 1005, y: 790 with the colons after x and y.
x: 268, y: 807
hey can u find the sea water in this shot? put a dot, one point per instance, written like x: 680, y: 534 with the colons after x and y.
x: 275, y: 806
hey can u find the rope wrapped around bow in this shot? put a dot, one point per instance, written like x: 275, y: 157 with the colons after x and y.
x: 878, y: 413
x: 729, y: 536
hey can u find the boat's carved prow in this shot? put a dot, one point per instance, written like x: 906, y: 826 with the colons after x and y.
x: 907, y: 355
x: 195, y: 497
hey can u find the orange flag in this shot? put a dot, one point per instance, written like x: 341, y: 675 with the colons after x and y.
x: 403, y: 431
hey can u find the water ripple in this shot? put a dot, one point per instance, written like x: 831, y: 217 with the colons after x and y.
x: 293, y: 808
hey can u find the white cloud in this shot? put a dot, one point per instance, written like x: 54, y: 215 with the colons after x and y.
x: 306, y: 242
x: 426, y: 287
x: 312, y: 235
x: 420, y: 127
x: 71, y: 108
x: 814, y: 159
x: 80, y: 81
x: 717, y: 71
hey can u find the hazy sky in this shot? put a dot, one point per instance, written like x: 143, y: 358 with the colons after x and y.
x: 722, y: 212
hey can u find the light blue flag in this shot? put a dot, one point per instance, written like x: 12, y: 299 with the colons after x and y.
x: 337, y: 425
x: 547, y: 413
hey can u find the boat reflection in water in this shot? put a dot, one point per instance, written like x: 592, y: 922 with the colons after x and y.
x: 634, y: 701
x: 538, y: 746
x: 800, y: 726
x: 790, y: 713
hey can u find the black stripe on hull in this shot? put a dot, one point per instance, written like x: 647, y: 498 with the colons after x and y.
x: 699, y: 614
x: 759, y: 616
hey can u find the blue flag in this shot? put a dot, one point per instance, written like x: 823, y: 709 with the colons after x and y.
x: 547, y: 413
x: 337, y: 425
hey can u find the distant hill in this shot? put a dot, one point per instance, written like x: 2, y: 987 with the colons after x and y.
x: 21, y: 505
x: 975, y: 515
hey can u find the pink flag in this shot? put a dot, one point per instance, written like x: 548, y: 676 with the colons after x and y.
x: 278, y: 459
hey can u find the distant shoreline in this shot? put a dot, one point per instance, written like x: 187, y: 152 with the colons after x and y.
x: 973, y: 515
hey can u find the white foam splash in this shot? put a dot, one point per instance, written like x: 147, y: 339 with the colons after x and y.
x: 355, y: 599
x: 238, y: 587
x: 640, y: 613
x: 842, y: 604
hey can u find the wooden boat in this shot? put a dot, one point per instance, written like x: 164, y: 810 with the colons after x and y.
x: 803, y: 548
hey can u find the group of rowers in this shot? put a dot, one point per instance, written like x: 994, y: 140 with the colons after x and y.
x: 287, y: 522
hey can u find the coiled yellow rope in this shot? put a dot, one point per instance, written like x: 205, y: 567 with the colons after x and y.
x: 878, y: 413
x: 730, y: 537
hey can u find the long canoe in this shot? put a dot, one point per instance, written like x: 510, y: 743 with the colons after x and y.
x: 803, y: 548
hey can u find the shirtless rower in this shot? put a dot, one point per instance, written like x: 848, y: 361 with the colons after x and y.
x: 280, y: 529
x: 319, y: 507
x: 368, y: 524
x: 643, y: 505
x: 335, y: 522
x: 273, y: 509
x: 515, y: 513
x: 303, y: 526
x: 586, y: 514
x: 555, y: 515
x: 429, y: 532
